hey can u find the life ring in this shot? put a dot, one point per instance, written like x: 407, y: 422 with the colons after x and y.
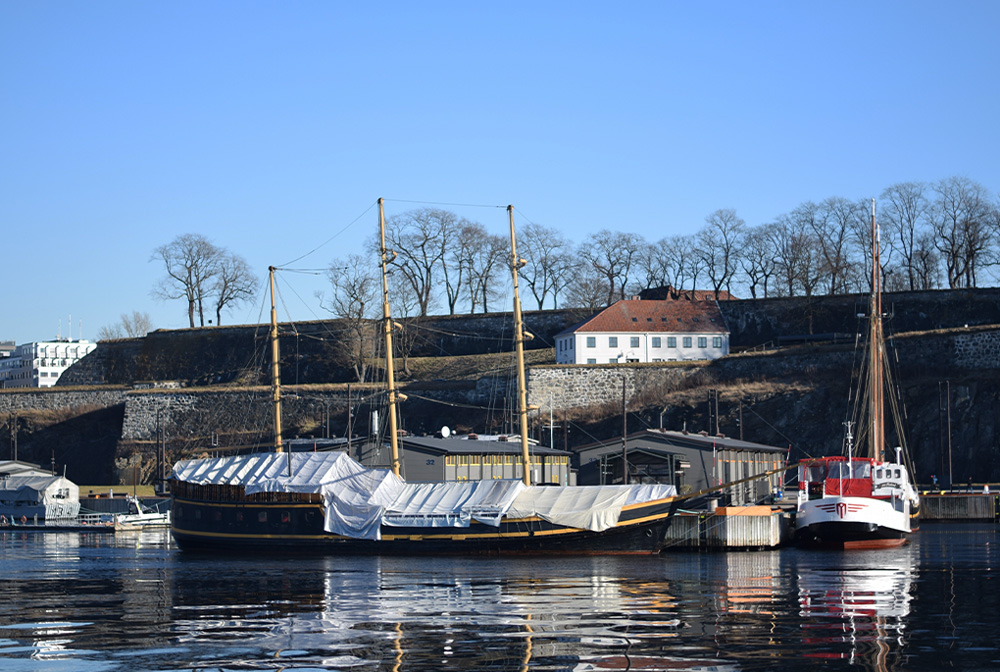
x: 24, y: 520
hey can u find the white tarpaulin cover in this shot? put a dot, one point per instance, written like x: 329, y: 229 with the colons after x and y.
x: 587, y: 507
x: 49, y: 497
x: 452, y: 503
x: 649, y: 492
x: 359, y: 500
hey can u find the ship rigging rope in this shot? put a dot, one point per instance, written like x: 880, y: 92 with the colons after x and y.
x: 453, y: 205
x: 331, y: 238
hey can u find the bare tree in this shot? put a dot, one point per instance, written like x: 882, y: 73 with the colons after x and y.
x: 718, y: 245
x: 831, y: 223
x: 132, y: 325
x: 667, y: 262
x: 459, y: 259
x: 961, y: 215
x: 794, y: 255
x: 757, y: 259
x: 406, y: 308
x: 191, y: 262
x: 234, y: 284
x: 926, y: 263
x: 547, y: 254
x: 681, y: 261
x: 563, y: 273
x: 651, y: 269
x: 419, y: 239
x: 589, y: 289
x: 487, y: 262
x: 612, y: 254
x: 355, y: 292
x: 905, y: 214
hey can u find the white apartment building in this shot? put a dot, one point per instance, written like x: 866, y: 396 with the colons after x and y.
x: 40, y: 364
x: 639, y: 330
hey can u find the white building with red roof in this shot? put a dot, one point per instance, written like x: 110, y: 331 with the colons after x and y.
x: 639, y: 330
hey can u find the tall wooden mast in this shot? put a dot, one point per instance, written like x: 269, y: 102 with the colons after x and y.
x: 876, y: 392
x: 386, y: 257
x: 519, y: 338
x: 275, y: 367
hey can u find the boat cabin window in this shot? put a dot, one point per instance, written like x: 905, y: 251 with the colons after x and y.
x: 840, y: 470
x: 812, y: 472
x: 850, y: 470
x: 820, y: 472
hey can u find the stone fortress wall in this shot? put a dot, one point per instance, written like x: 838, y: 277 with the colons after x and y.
x: 558, y: 386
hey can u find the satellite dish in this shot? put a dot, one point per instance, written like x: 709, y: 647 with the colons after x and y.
x: 445, y: 432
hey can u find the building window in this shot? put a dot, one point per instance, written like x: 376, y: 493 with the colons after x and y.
x: 592, y: 361
x: 656, y: 341
x: 612, y: 341
x: 702, y: 342
x: 613, y: 360
x: 687, y: 341
x: 717, y: 341
x: 591, y: 341
x: 671, y: 341
x: 634, y: 342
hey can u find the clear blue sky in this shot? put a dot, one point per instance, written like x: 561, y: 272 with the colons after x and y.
x: 269, y: 127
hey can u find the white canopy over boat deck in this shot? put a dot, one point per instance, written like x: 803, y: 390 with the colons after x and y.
x: 358, y: 500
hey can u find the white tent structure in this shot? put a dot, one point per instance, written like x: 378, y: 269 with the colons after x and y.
x: 30, y: 494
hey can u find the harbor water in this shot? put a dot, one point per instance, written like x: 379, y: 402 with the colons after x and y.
x: 133, y: 602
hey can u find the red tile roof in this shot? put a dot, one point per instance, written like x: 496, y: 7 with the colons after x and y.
x: 631, y: 315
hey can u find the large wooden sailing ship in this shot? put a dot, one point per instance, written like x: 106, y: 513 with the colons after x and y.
x: 326, y: 502
x: 854, y: 500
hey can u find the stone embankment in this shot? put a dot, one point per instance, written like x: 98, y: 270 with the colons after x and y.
x: 573, y: 386
x: 977, y: 349
x: 57, y: 399
x: 312, y: 352
x: 549, y: 386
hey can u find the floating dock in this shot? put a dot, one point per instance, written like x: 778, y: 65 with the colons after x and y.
x: 68, y: 526
x: 956, y: 506
x: 729, y: 528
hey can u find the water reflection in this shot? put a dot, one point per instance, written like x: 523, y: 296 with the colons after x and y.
x: 430, y: 614
x: 860, y: 604
x: 115, y: 602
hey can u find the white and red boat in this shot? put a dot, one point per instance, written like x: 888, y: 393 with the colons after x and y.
x: 855, y: 501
